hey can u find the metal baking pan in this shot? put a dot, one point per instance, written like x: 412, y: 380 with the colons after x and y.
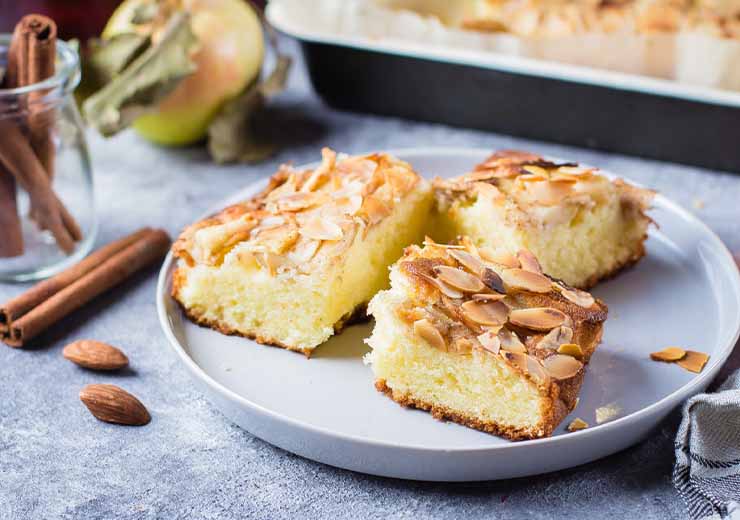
x: 568, y: 104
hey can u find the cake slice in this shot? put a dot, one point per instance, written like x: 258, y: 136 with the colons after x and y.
x: 499, y: 347
x: 291, y: 266
x: 581, y: 226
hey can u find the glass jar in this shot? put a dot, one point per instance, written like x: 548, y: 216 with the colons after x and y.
x: 47, y: 211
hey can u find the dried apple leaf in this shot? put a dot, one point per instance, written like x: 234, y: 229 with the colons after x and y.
x: 108, y: 58
x: 234, y: 134
x: 148, y: 79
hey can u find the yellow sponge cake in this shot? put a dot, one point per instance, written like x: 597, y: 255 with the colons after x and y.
x: 292, y: 265
x: 581, y: 226
x: 499, y: 347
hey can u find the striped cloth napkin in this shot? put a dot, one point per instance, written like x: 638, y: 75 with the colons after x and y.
x: 707, y: 469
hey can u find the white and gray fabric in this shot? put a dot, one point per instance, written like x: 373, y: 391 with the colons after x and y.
x: 707, y: 470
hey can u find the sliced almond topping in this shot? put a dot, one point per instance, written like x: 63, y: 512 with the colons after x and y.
x: 510, y: 341
x: 571, y: 349
x: 429, y: 333
x: 321, y: 229
x: 270, y: 222
x: 668, y: 354
x: 564, y: 177
x: 562, y: 367
x: 485, y: 313
x: 444, y: 288
x: 493, y: 281
x: 299, y: 201
x: 694, y: 361
x: 549, y: 193
x: 529, y: 261
x: 556, y: 337
x: 580, y: 298
x: 505, y: 259
x: 470, y: 262
x: 536, y: 371
x: 488, y: 297
x: 577, y: 424
x: 519, y: 279
x: 537, y: 318
x: 490, y: 342
x: 459, y: 279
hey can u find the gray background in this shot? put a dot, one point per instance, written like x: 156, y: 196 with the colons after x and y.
x: 57, y: 461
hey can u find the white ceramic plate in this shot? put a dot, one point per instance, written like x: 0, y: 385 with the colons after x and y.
x: 685, y: 292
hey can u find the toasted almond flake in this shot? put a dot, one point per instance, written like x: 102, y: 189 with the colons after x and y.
x: 668, y: 354
x: 571, y: 349
x: 305, y: 250
x: 444, y: 288
x: 537, y: 318
x: 270, y: 222
x: 520, y: 279
x: 536, y: 371
x: 374, y: 209
x: 564, y: 177
x: 490, y: 341
x: 488, y: 297
x: 575, y: 170
x: 529, y: 261
x: 470, y: 262
x: 299, y: 201
x: 577, y: 424
x: 271, y: 261
x: 459, y: 279
x: 694, y: 361
x: 510, y: 341
x: 535, y: 171
x: 549, y: 193
x: 485, y: 313
x: 556, y: 337
x: 493, y: 281
x: 505, y: 259
x: 607, y: 412
x: 517, y: 359
x: 321, y: 229
x: 429, y: 333
x: 580, y: 298
x: 431, y: 243
x: 561, y: 367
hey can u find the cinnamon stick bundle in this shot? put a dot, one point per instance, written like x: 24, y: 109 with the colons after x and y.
x: 25, y: 317
x: 18, y: 158
x: 31, y: 59
x: 11, y: 237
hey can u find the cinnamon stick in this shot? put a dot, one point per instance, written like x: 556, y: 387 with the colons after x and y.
x: 150, y: 247
x: 42, y: 291
x: 11, y: 236
x: 17, y: 156
x: 31, y: 59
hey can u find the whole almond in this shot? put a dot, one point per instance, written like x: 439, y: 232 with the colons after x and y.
x: 95, y: 355
x: 113, y: 404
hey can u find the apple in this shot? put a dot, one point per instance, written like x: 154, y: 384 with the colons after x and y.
x: 229, y: 58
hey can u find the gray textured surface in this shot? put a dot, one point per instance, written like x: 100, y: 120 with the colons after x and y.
x: 56, y: 461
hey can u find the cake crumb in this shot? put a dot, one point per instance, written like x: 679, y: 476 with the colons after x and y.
x: 607, y: 412
x: 577, y: 424
x: 698, y: 203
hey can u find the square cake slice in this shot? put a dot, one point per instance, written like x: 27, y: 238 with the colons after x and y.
x: 581, y: 226
x: 500, y: 348
x: 291, y: 266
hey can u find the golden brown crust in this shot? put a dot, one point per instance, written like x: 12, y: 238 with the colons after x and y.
x: 556, y: 410
x: 357, y: 315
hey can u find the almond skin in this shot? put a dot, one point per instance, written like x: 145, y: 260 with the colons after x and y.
x: 95, y: 355
x: 112, y: 404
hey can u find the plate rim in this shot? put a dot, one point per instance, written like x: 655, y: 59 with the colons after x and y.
x: 669, y: 401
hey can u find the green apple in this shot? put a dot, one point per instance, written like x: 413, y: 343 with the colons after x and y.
x: 229, y: 58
